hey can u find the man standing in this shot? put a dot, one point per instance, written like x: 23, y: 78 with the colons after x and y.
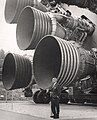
x: 55, y: 97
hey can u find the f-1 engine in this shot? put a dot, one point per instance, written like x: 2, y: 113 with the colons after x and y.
x: 65, y: 47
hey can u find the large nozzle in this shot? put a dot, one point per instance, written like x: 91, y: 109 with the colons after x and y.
x: 17, y: 72
x: 65, y: 60
x: 33, y: 24
x: 14, y: 7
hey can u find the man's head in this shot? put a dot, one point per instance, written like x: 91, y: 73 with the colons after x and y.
x: 54, y: 80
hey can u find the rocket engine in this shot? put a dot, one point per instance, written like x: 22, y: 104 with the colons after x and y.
x: 65, y: 46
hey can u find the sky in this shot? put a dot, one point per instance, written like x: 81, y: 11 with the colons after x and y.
x: 8, y: 34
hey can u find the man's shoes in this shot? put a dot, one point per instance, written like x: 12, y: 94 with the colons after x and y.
x: 52, y: 116
x: 56, y: 117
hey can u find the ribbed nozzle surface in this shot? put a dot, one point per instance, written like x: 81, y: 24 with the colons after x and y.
x: 31, y: 27
x: 55, y: 57
x: 17, y: 72
x: 34, y: 24
x: 14, y: 7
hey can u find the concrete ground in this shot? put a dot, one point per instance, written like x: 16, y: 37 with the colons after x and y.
x: 42, y: 111
x: 6, y: 115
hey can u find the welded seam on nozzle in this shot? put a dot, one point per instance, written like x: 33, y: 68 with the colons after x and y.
x: 68, y: 62
x: 22, y: 67
x: 45, y: 24
x: 63, y: 62
x: 77, y: 64
x: 74, y: 68
x: 74, y: 65
x: 22, y: 4
x: 23, y: 70
x: 65, y: 77
x: 16, y: 14
x: 34, y: 34
x: 48, y: 23
x: 28, y: 71
x: 41, y: 27
x: 62, y: 59
x: 18, y: 10
x: 18, y: 65
x: 65, y: 51
x: 16, y: 71
x: 38, y: 26
x: 54, y: 23
x: 71, y: 65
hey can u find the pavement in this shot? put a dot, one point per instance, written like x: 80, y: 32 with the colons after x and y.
x: 6, y: 115
x: 28, y: 110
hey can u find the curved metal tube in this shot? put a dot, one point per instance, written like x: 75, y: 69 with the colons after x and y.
x: 17, y: 72
x: 14, y: 7
x: 66, y: 60
x: 34, y: 24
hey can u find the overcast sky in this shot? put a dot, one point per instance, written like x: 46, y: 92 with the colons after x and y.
x: 7, y: 33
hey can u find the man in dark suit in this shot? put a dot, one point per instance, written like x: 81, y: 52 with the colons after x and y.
x: 55, y: 97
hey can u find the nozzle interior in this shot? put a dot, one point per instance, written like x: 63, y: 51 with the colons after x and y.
x: 47, y: 61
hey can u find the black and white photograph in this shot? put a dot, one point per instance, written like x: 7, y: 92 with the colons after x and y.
x: 48, y: 59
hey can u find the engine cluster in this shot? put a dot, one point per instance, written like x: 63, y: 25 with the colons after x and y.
x: 58, y: 40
